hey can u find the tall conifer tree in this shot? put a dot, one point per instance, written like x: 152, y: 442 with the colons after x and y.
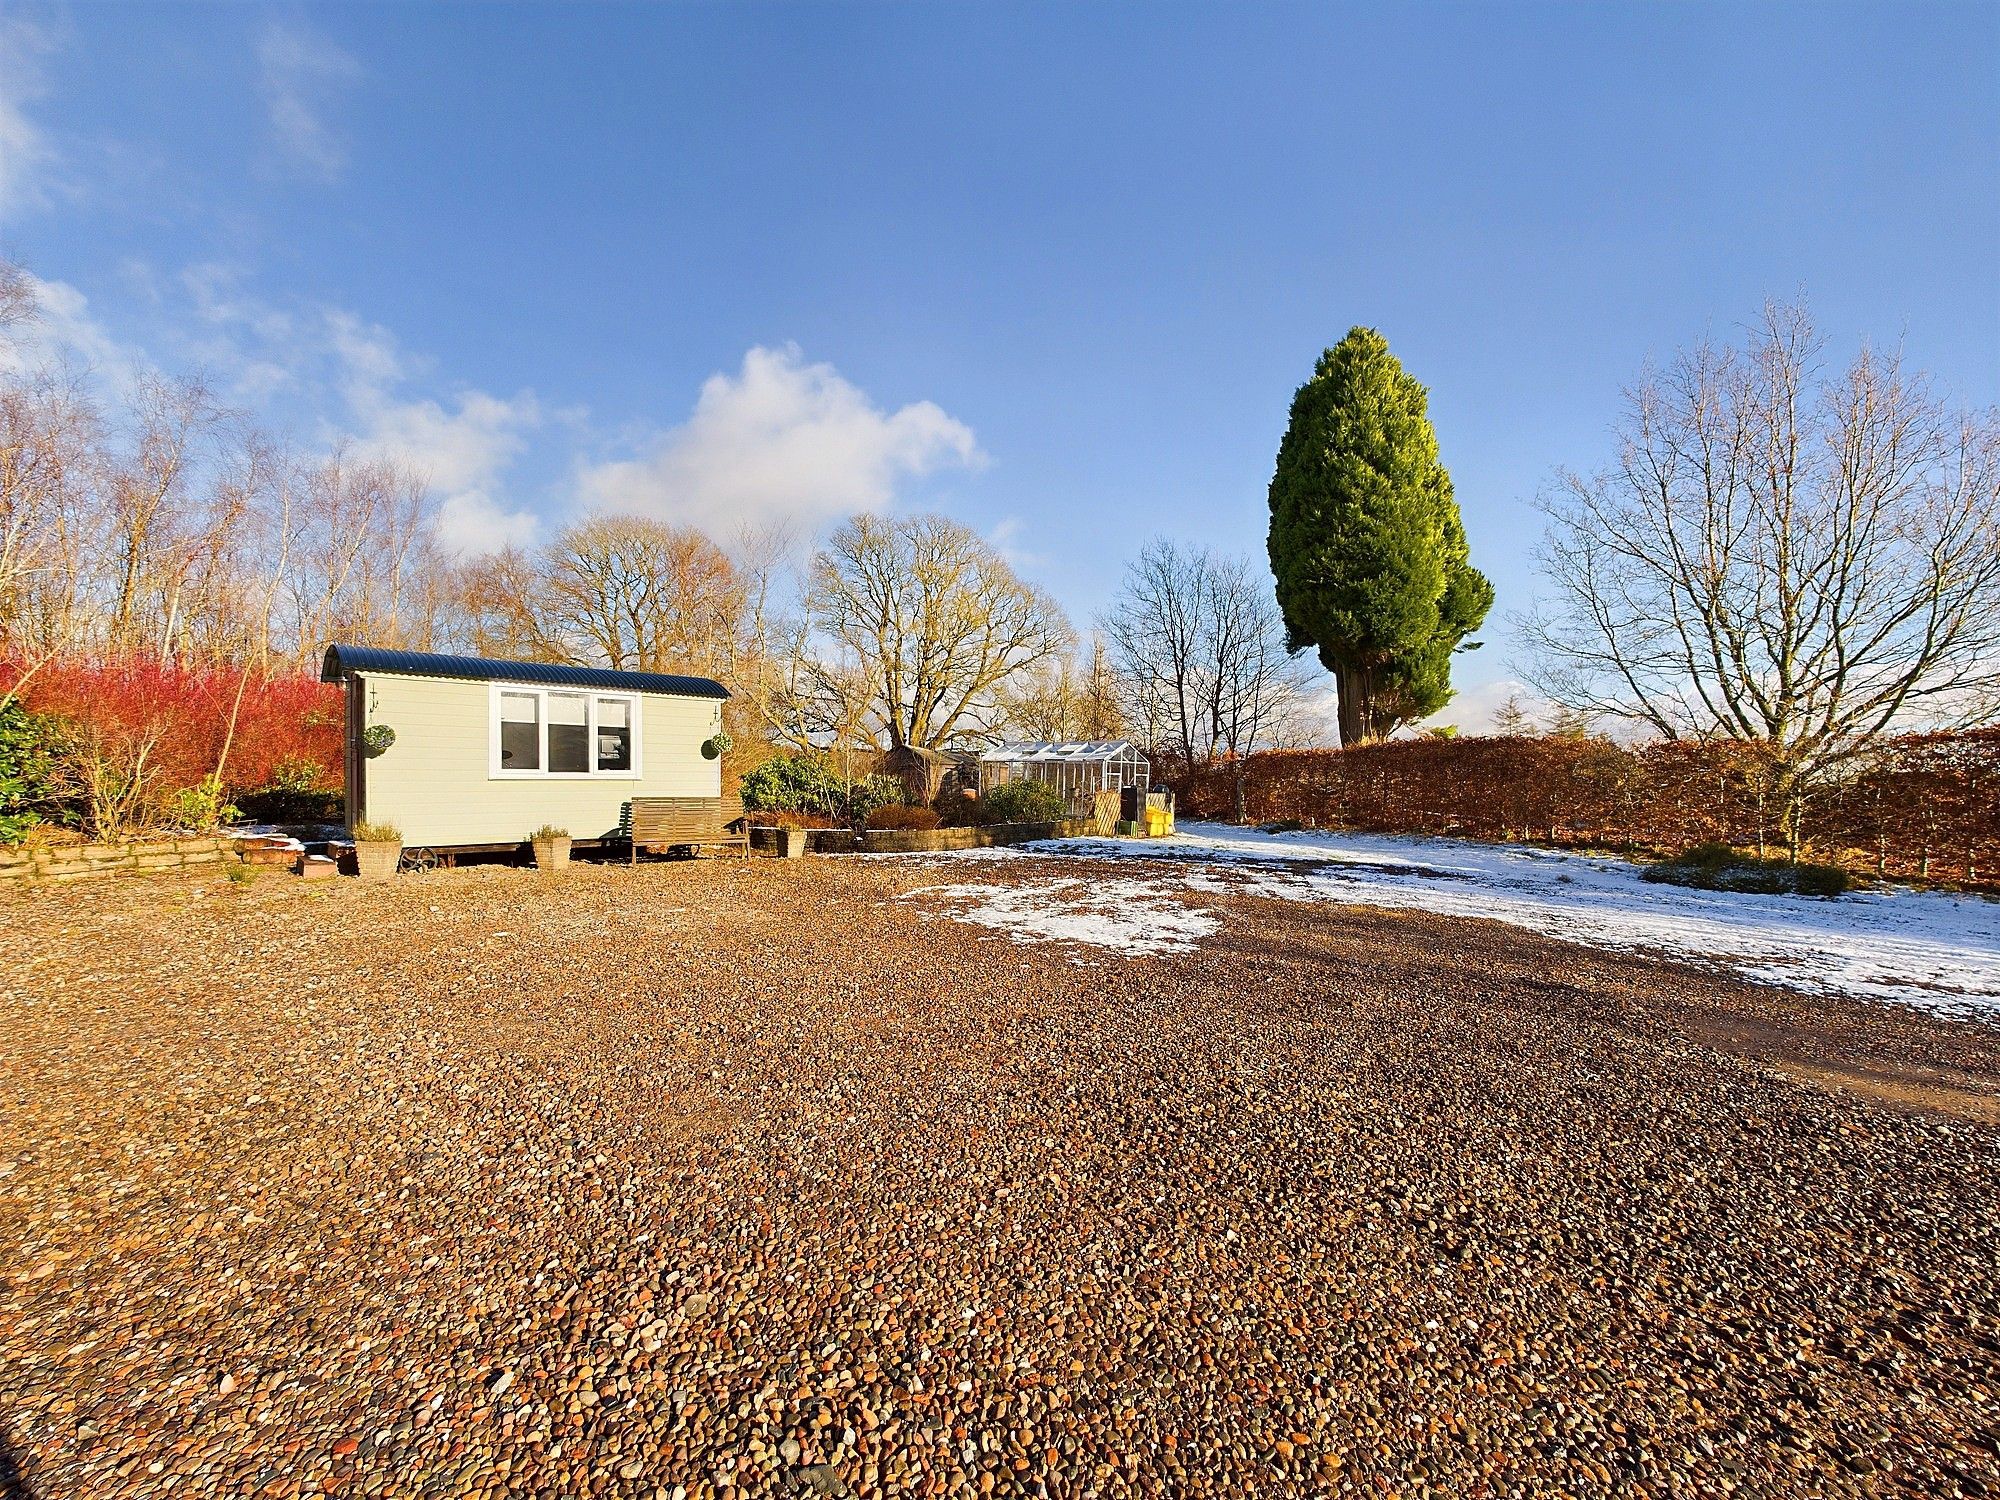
x: 1366, y: 544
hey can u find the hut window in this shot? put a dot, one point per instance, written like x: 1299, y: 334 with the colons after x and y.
x: 549, y: 732
x: 614, y: 734
x: 520, y: 732
x: 569, y: 734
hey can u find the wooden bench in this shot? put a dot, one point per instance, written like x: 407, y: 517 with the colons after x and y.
x: 683, y: 822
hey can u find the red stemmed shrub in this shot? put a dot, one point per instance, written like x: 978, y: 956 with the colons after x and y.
x: 129, y: 737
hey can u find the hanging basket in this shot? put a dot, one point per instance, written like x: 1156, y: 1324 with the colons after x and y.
x: 375, y: 739
x: 717, y: 745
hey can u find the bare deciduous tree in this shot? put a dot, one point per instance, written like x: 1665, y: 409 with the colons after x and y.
x: 623, y: 592
x: 1199, y: 645
x: 153, y: 524
x: 47, y: 438
x: 1155, y: 630
x: 937, y: 621
x: 1779, y: 557
x: 796, y: 698
x: 1066, y: 699
x: 363, y: 563
x: 17, y: 298
x: 50, y: 442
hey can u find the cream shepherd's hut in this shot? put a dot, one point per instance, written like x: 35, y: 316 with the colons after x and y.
x: 459, y: 752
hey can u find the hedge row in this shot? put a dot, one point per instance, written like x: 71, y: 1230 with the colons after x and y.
x: 1925, y: 806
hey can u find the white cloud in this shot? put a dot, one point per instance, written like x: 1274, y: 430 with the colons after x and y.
x: 25, y: 154
x: 355, y: 376
x: 257, y: 348
x: 368, y: 353
x: 462, y: 451
x: 1005, y: 539
x: 471, y: 524
x: 780, y: 443
x: 300, y: 76
x: 65, y: 332
x: 462, y: 448
x: 346, y: 379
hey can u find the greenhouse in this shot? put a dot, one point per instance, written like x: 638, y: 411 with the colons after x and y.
x: 1079, y: 769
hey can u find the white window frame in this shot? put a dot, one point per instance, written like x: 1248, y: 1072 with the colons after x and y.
x: 540, y: 692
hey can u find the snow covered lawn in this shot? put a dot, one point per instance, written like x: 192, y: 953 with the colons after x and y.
x: 1938, y: 952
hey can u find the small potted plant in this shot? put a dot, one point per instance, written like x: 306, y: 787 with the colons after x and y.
x: 378, y: 849
x: 551, y: 847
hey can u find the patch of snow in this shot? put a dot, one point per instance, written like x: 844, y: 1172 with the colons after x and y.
x: 1927, y: 949
x: 1131, y: 916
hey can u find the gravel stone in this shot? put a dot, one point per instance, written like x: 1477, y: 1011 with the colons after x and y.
x: 722, y: 1178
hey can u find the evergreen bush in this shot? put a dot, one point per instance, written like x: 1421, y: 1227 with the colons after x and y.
x: 1023, y: 801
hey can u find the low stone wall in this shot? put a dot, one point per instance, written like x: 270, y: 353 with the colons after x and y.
x: 818, y: 840
x: 140, y: 856
x: 929, y: 840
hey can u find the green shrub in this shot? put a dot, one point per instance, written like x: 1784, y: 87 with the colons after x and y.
x: 1717, y: 867
x: 794, y: 783
x: 807, y: 784
x: 1824, y: 881
x: 955, y: 809
x: 870, y: 795
x: 297, y: 773
x: 297, y: 792
x: 200, y: 808
x: 276, y: 805
x: 1023, y: 801
x: 25, y: 740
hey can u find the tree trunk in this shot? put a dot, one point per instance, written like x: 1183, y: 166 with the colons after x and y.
x: 1353, y: 686
x: 1795, y: 822
x: 1238, y: 802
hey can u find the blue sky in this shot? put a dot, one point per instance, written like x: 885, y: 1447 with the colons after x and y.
x: 1054, y: 270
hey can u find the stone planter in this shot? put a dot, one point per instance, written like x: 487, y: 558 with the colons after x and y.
x: 551, y: 854
x: 791, y: 842
x: 374, y: 861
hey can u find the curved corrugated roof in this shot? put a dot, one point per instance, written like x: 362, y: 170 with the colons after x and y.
x: 340, y: 660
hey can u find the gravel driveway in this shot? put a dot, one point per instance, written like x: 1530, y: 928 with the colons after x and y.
x: 727, y: 1179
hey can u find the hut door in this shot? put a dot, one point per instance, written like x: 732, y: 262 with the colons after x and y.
x: 357, y: 716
